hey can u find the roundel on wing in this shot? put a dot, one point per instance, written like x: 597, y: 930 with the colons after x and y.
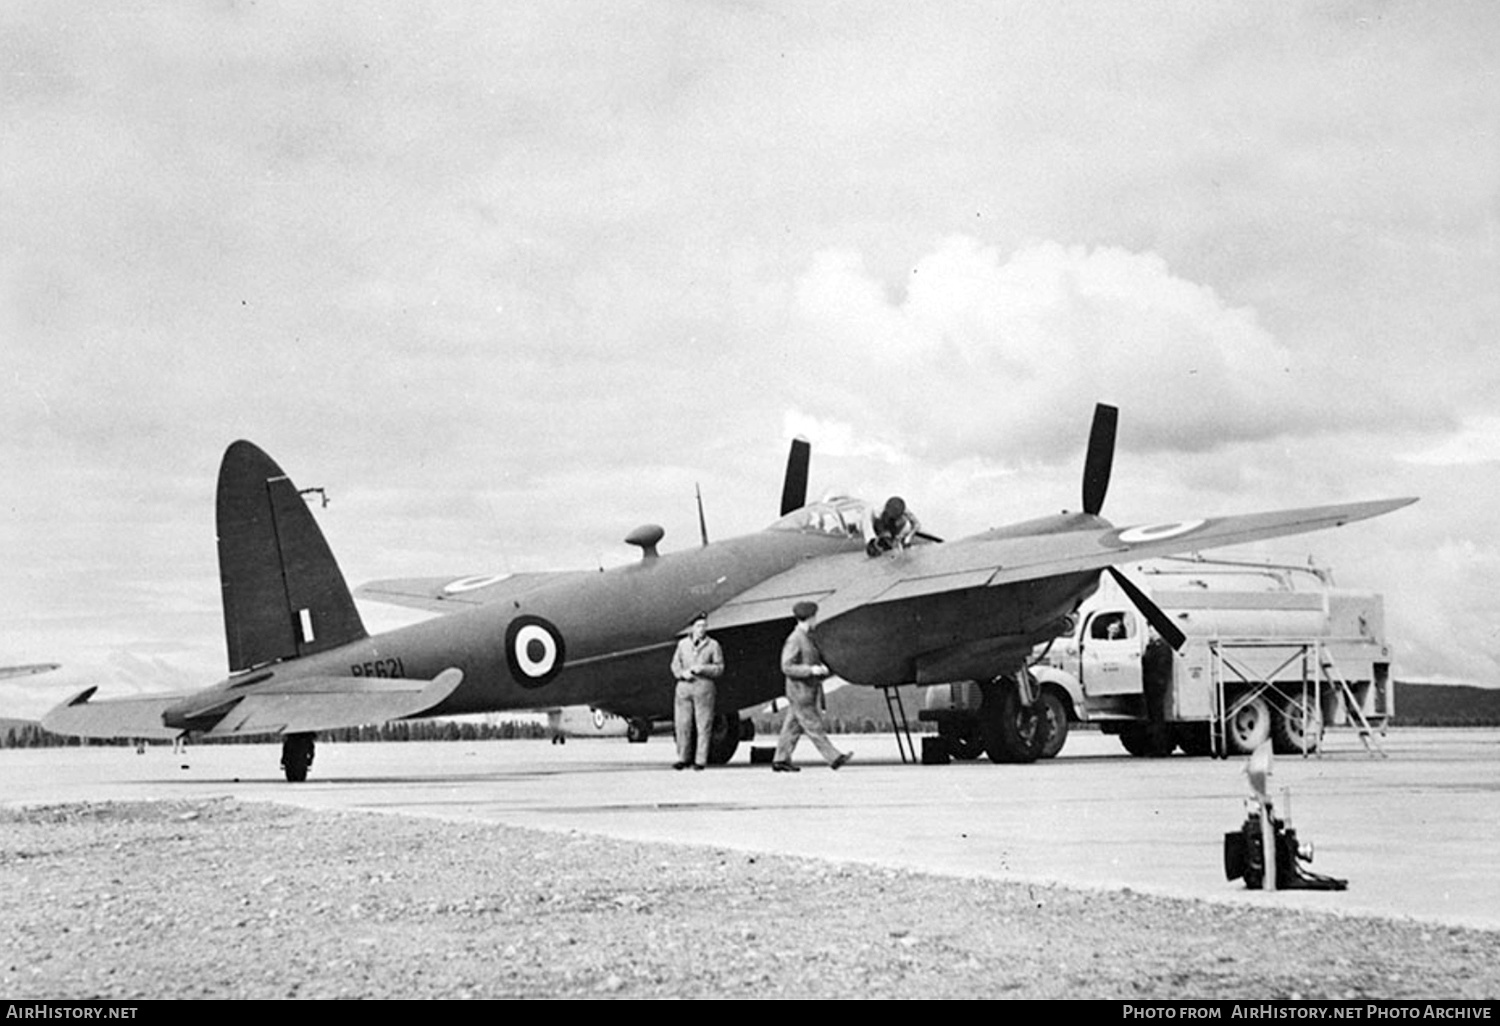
x: 534, y: 651
x: 464, y: 584
x: 1158, y: 532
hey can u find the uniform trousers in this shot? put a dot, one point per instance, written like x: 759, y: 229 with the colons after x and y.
x: 804, y: 716
x: 693, y: 713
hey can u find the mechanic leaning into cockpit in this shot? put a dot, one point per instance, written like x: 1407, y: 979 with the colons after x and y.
x: 893, y: 528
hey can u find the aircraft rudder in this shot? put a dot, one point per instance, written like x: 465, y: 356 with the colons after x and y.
x: 284, y: 595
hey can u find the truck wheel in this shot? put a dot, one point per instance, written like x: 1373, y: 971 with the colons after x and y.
x: 1249, y: 727
x: 1055, y: 717
x: 1193, y: 738
x: 1297, y: 726
x: 1148, y: 740
x: 1012, y: 732
x: 962, y: 737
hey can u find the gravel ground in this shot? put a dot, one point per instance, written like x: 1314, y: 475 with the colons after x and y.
x: 221, y: 899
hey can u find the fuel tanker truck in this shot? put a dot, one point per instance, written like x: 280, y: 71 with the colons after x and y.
x: 1273, y: 651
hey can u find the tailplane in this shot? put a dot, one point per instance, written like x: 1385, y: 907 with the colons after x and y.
x: 284, y: 595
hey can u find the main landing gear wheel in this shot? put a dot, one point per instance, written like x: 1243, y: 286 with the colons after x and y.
x: 1297, y: 726
x: 724, y: 738
x: 637, y: 730
x: 962, y: 737
x: 1055, y: 721
x: 1013, y: 731
x: 1249, y: 727
x: 297, y: 756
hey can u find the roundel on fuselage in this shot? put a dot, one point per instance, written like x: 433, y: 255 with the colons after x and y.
x: 534, y: 651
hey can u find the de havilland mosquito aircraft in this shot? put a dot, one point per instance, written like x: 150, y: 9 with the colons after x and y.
x: 300, y: 660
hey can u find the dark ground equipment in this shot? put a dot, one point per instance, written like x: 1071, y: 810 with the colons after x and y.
x: 1244, y: 857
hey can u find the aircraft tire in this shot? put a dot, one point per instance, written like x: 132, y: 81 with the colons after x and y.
x: 296, y: 756
x: 1295, y: 724
x: 638, y: 731
x: 724, y: 739
x: 1249, y: 727
x: 1055, y: 713
x: 962, y: 736
x: 1012, y: 732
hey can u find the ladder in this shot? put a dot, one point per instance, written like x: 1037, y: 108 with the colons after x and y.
x: 1340, y: 684
x: 899, y: 724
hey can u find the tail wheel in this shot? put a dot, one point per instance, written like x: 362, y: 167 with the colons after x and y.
x: 1248, y: 726
x: 297, y: 756
x: 724, y: 738
x: 962, y: 737
x: 1013, y: 732
x: 1297, y: 726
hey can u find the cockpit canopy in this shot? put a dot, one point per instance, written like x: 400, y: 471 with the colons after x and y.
x: 841, y: 517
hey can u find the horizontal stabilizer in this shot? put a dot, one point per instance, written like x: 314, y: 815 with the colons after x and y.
x: 115, y: 718
x: 310, y: 704
x: 456, y: 594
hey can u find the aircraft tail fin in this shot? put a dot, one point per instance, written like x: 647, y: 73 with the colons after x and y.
x: 284, y: 595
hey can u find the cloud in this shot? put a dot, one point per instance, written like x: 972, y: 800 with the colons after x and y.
x: 1476, y: 441
x: 837, y: 439
x: 1005, y: 354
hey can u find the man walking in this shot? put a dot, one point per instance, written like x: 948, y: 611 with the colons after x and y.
x: 697, y: 662
x: 802, y: 665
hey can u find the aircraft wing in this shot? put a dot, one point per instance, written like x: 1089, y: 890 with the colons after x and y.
x: 455, y: 594
x: 851, y: 580
x: 118, y: 717
x: 310, y: 704
x: 296, y: 706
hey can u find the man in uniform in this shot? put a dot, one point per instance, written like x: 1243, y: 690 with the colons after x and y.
x: 696, y: 663
x: 804, y: 670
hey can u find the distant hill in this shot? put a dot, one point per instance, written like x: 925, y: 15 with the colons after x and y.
x: 1445, y: 705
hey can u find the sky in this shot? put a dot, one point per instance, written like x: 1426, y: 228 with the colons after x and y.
x: 508, y: 280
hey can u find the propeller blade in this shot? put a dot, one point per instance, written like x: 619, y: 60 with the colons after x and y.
x: 1153, y: 613
x: 1100, y: 458
x: 794, y: 489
